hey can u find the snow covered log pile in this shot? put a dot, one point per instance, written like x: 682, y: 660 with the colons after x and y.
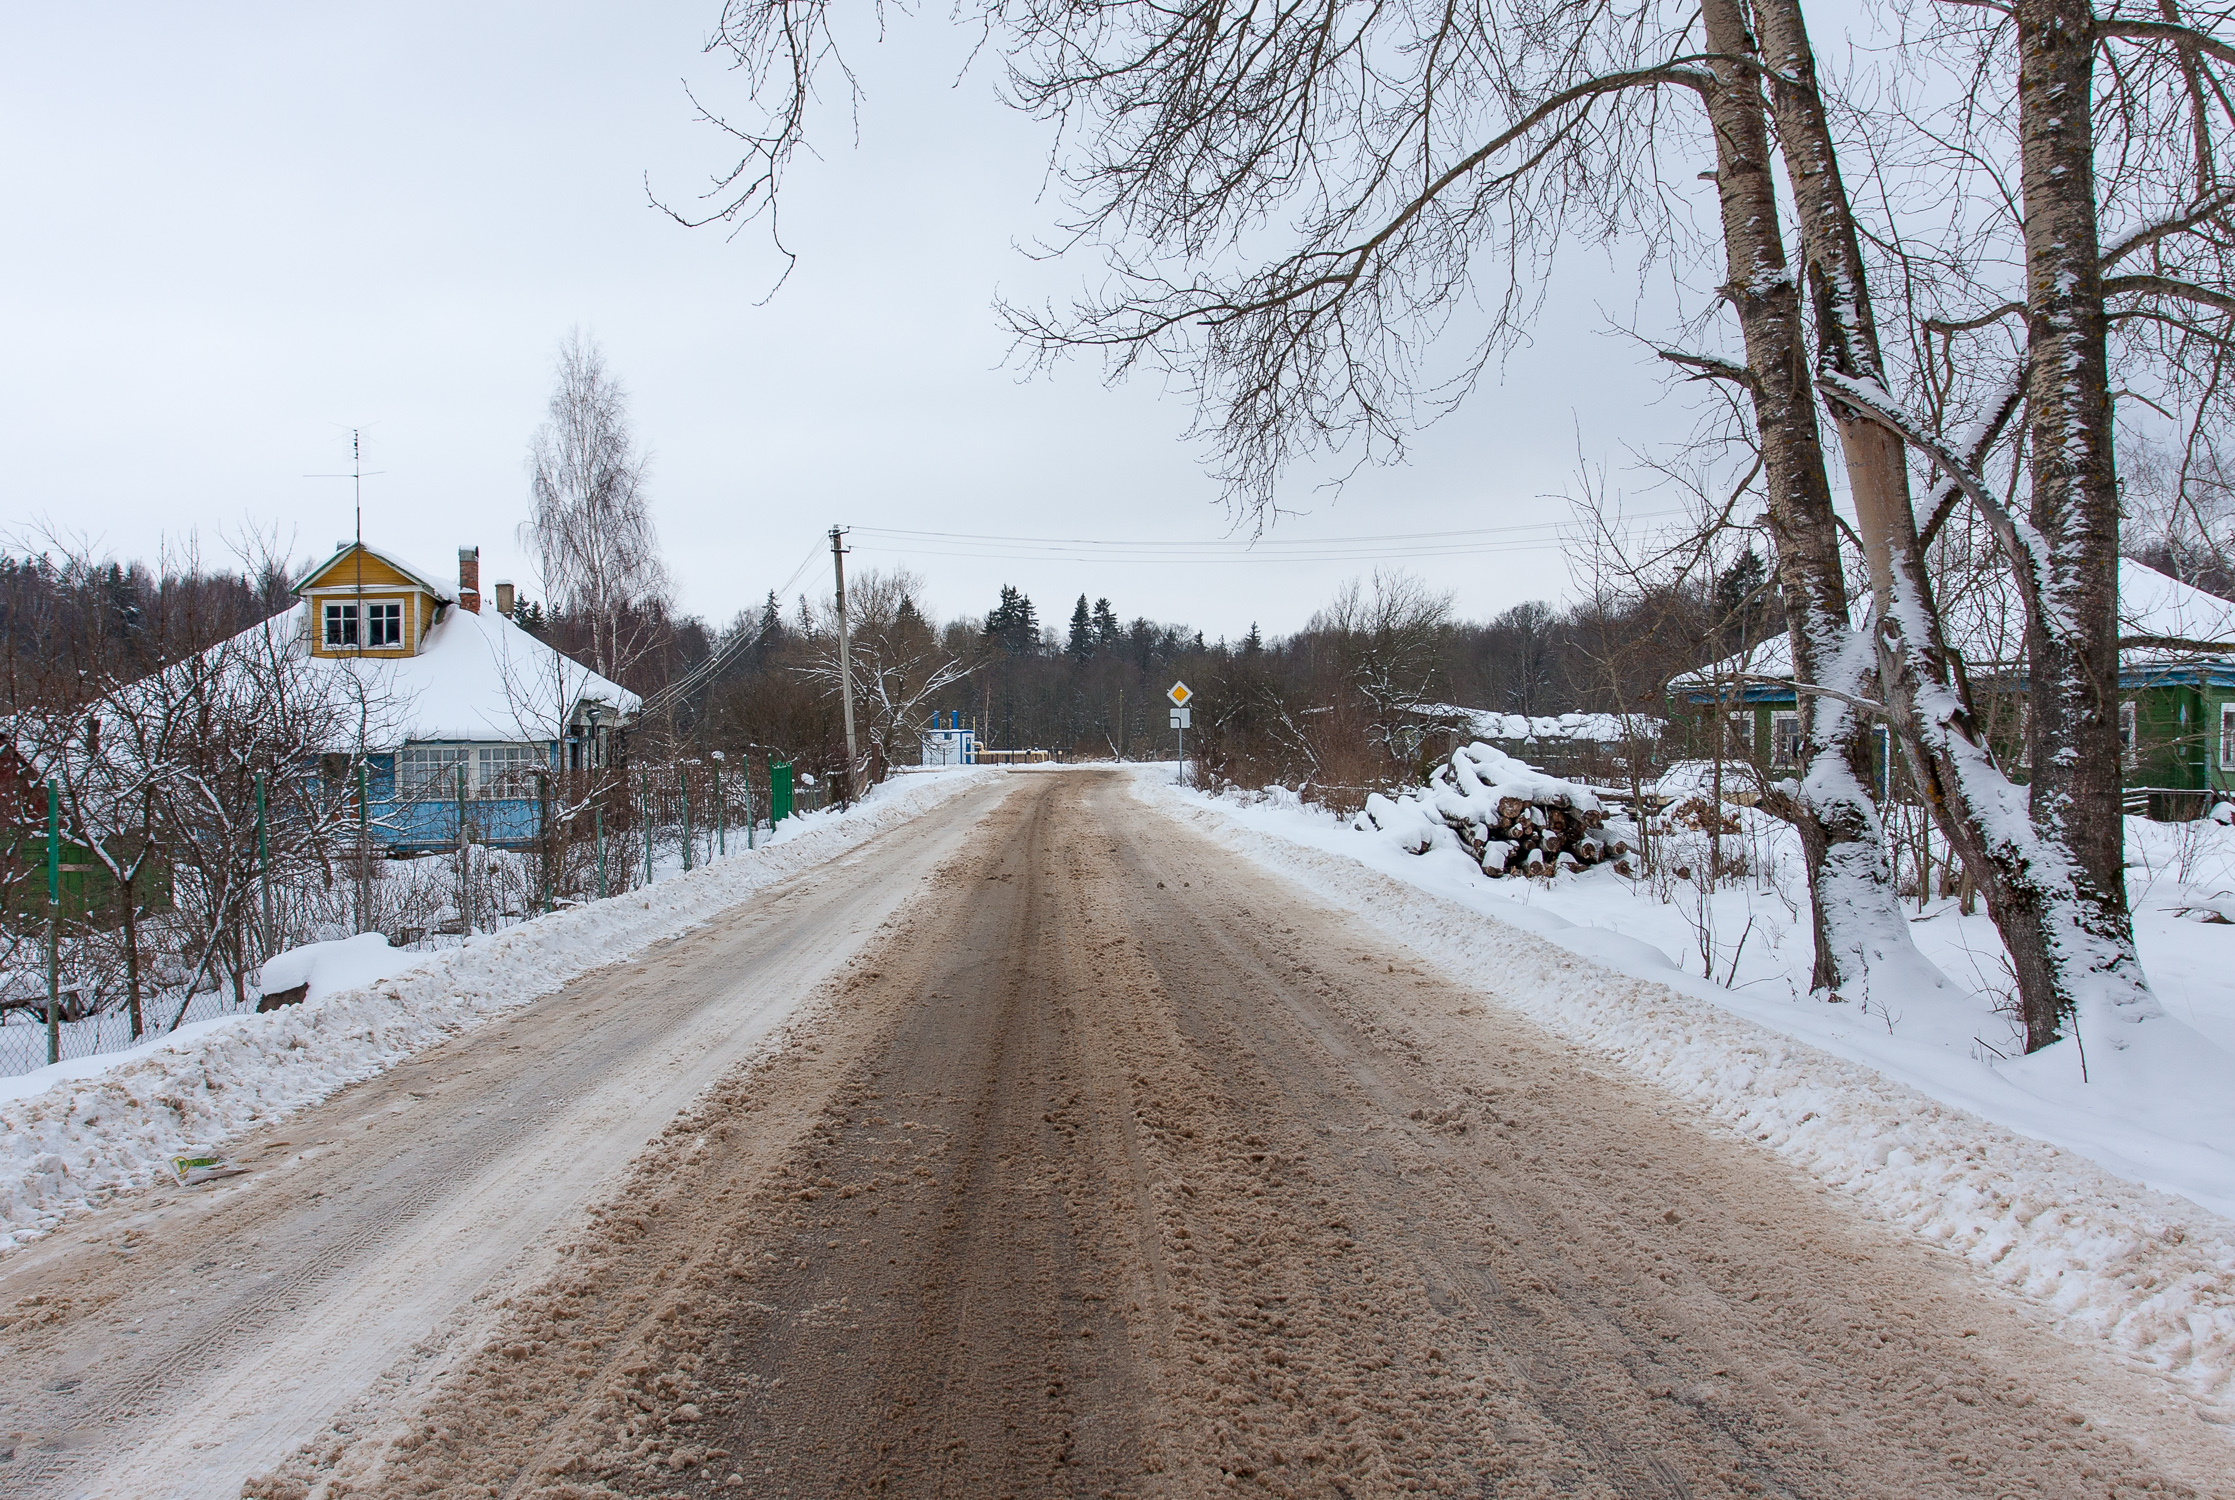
x: 1509, y: 817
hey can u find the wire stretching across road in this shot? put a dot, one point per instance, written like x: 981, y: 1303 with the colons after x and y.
x: 736, y: 646
x: 1387, y: 546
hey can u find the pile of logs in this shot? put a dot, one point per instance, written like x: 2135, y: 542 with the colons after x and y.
x: 1541, y: 837
x: 1510, y: 818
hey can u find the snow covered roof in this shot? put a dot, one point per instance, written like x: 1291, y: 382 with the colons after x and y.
x: 2150, y: 604
x: 475, y: 677
x: 419, y: 576
x: 1770, y: 658
x: 2156, y: 604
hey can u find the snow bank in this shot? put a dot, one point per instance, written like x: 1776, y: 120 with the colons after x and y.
x: 347, y: 964
x: 2150, y: 1274
x: 77, y: 1132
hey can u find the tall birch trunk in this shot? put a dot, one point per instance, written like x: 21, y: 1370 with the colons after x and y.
x: 2054, y: 887
x: 2072, y: 643
x: 1859, y: 927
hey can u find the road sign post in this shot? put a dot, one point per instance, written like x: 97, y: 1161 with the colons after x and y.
x: 1180, y: 693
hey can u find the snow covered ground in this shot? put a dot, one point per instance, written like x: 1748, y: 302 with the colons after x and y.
x: 2058, y: 1190
x: 73, y: 1133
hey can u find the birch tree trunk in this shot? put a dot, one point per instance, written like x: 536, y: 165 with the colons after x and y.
x: 2055, y: 887
x: 2072, y: 639
x: 1859, y: 928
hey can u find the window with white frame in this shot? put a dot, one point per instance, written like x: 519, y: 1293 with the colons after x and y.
x: 384, y: 623
x: 430, y: 772
x: 2227, y: 736
x: 2127, y: 727
x: 341, y: 624
x: 1784, y: 739
x: 508, y: 770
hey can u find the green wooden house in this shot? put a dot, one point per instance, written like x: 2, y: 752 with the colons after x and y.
x: 2176, y: 710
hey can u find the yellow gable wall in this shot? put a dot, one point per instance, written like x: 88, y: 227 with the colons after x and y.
x: 382, y: 583
x: 343, y: 574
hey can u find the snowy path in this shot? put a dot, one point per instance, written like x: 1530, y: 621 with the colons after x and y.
x: 180, y: 1340
x: 1119, y: 1165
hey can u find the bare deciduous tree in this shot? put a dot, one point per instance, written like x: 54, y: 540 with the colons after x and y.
x: 900, y: 663
x: 591, y: 527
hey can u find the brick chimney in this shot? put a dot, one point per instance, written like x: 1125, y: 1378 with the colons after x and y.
x: 504, y: 597
x: 469, y: 579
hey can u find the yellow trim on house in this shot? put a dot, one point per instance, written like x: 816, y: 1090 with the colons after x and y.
x: 341, y: 580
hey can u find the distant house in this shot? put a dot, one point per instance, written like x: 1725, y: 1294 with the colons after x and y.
x: 467, y: 707
x: 2176, y: 691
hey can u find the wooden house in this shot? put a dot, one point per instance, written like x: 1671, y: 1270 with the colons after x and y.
x: 2176, y: 692
x: 469, y: 706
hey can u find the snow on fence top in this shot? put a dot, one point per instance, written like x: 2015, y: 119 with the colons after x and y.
x: 1595, y: 729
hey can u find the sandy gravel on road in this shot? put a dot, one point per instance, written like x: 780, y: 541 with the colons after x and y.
x: 1116, y: 1167
x: 182, y: 1339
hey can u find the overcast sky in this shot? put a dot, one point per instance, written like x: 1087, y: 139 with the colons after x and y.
x: 237, y: 231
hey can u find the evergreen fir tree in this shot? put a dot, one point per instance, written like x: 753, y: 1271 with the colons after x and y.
x: 1081, y: 645
x: 1107, y: 631
x: 1014, y: 624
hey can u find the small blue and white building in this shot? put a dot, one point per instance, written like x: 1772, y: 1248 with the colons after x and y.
x: 947, y: 743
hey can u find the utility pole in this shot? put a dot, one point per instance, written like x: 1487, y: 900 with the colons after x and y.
x: 845, y: 657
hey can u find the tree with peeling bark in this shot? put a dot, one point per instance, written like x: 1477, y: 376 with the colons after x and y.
x: 1416, y: 157
x: 2052, y: 874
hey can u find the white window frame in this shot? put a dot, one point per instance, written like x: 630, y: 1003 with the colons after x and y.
x: 504, y: 772
x: 384, y: 623
x: 1782, y: 753
x: 2227, y: 736
x: 429, y: 773
x: 1741, y: 728
x: 340, y: 624
x: 494, y: 771
x: 2129, y: 733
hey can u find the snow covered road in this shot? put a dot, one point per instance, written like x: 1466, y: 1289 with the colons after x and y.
x: 179, y: 1340
x: 1118, y: 1165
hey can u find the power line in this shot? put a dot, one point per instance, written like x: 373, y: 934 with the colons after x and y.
x: 1387, y: 546
x: 735, y: 647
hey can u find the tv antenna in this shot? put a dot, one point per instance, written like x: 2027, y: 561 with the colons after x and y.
x: 356, y: 477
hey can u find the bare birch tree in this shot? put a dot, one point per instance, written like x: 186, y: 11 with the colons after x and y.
x: 591, y: 527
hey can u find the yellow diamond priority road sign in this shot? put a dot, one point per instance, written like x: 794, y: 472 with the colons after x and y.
x: 1179, y: 694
